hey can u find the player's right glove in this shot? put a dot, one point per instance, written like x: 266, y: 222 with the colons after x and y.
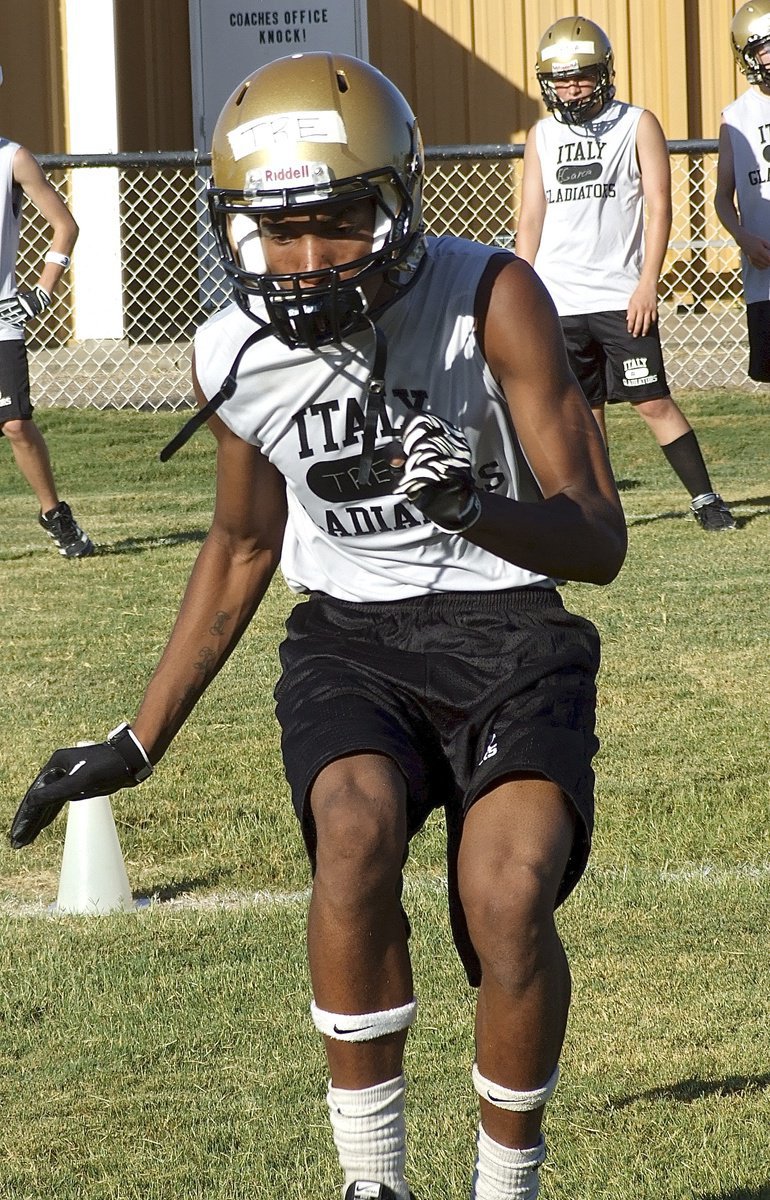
x: 19, y: 309
x: 436, y: 476
x: 79, y: 773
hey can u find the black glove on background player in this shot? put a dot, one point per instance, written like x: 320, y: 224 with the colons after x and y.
x: 78, y: 773
x: 436, y: 475
x: 19, y: 309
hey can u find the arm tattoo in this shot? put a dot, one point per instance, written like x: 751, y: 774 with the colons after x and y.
x: 220, y: 621
x: 205, y: 667
x: 205, y: 662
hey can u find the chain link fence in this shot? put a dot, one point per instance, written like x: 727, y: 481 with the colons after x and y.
x: 144, y: 275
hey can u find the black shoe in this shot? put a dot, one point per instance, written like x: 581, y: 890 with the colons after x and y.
x: 63, y: 529
x: 363, y: 1189
x: 712, y: 514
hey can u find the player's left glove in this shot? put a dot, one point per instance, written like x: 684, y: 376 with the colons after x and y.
x: 19, y: 309
x: 79, y: 773
x: 436, y: 476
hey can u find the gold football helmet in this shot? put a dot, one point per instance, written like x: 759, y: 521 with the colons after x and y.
x: 749, y: 31
x: 575, y: 46
x: 314, y: 129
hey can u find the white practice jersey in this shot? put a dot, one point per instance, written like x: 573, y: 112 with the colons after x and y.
x: 11, y: 197
x: 592, y: 245
x: 748, y: 124
x: 305, y: 410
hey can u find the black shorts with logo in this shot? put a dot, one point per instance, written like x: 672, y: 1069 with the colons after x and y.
x: 610, y: 364
x: 460, y: 690
x: 15, y: 403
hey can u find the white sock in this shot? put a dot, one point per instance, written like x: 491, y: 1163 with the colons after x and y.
x: 503, y: 1173
x: 369, y: 1133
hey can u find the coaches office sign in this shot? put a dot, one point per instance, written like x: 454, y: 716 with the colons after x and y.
x: 229, y: 40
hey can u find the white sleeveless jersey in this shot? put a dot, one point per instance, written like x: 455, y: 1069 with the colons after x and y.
x: 10, y: 220
x: 748, y: 124
x: 305, y: 410
x: 592, y: 244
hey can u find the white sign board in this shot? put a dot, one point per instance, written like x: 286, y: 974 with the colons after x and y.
x: 231, y: 38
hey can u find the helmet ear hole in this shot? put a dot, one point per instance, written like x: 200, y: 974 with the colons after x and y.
x: 342, y: 82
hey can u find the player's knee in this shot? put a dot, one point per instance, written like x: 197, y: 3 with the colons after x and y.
x: 360, y: 818
x: 659, y: 409
x: 15, y: 431
x: 510, y: 914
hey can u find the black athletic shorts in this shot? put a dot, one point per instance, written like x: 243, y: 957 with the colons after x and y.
x: 460, y: 690
x: 15, y: 403
x: 758, y: 324
x: 610, y: 364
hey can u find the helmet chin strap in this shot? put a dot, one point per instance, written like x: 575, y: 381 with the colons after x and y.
x: 225, y: 392
x: 374, y: 403
x: 373, y: 408
x: 374, y: 398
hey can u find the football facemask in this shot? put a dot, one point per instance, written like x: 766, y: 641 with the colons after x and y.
x: 322, y: 306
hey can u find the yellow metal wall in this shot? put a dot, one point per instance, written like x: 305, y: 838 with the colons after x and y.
x: 153, y: 69
x: 32, y: 95
x: 467, y: 66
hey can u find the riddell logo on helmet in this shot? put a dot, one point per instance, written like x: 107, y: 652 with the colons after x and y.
x: 285, y: 174
x: 304, y: 174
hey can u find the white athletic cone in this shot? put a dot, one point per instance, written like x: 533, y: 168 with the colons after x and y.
x: 93, y: 875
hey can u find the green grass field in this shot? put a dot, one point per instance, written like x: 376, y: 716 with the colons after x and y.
x: 168, y: 1054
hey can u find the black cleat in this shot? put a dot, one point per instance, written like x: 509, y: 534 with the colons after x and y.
x: 66, y: 534
x: 712, y: 514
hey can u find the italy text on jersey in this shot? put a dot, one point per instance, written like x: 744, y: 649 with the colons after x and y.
x: 325, y: 432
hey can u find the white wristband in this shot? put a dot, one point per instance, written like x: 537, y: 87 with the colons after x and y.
x: 125, y: 741
x: 61, y: 260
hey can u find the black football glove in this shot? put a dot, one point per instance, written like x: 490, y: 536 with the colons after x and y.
x: 436, y: 475
x: 19, y: 309
x: 79, y: 773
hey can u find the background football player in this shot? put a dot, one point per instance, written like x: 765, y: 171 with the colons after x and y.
x: 20, y: 176
x: 595, y: 221
x: 742, y: 198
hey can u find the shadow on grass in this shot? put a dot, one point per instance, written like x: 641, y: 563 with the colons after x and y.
x: 688, y: 1090
x: 18, y: 557
x: 649, y: 518
x: 125, y: 546
x: 741, y: 519
x: 163, y: 892
x: 753, y: 500
x: 759, y: 1193
x: 154, y: 542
